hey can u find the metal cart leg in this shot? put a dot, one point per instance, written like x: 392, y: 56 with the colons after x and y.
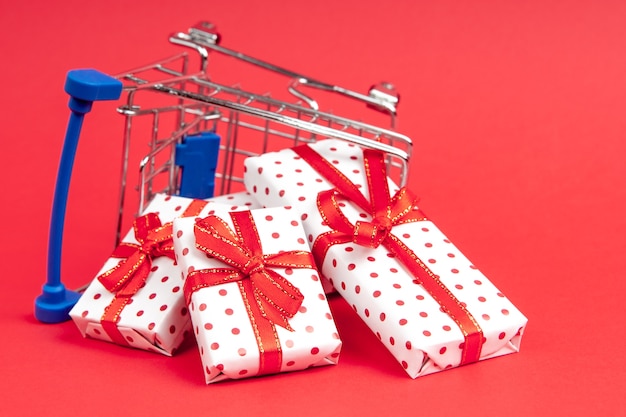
x: 84, y: 87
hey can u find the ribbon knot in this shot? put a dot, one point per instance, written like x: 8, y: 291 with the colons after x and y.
x: 383, y: 222
x: 254, y: 265
x: 150, y: 247
x: 372, y: 233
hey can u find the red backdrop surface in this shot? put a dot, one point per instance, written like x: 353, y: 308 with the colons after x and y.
x: 517, y: 112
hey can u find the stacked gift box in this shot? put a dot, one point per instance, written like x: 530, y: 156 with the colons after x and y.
x: 249, y: 274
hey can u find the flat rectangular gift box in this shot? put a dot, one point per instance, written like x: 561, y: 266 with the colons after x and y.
x: 427, y: 303
x: 243, y: 273
x: 148, y: 315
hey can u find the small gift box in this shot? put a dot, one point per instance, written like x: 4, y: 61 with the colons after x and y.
x: 136, y: 299
x: 253, y: 293
x: 415, y: 290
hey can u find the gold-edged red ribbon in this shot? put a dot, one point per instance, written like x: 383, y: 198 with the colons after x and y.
x: 130, y: 275
x: 269, y: 298
x: 386, y: 212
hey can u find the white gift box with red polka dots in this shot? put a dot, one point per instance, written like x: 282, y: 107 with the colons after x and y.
x: 156, y: 319
x: 407, y: 320
x: 225, y: 337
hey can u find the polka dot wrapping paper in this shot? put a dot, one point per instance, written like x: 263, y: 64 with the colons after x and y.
x: 410, y: 322
x: 237, y: 201
x: 155, y: 318
x: 227, y: 332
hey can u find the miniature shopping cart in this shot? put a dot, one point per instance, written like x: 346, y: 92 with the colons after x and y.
x: 199, y: 132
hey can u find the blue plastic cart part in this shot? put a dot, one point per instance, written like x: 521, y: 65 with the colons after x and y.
x: 84, y: 87
x: 197, y: 156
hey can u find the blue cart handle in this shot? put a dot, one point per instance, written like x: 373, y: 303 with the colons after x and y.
x: 84, y: 87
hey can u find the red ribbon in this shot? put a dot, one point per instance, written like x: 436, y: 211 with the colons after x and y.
x: 269, y: 298
x: 130, y: 275
x: 386, y: 212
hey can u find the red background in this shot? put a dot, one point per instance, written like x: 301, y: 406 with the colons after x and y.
x: 517, y: 114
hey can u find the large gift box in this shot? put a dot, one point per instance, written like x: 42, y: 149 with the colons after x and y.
x: 427, y: 303
x: 136, y: 299
x: 254, y: 294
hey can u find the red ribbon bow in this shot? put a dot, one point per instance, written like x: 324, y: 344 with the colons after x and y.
x: 386, y: 212
x: 277, y: 299
x: 130, y: 275
x: 372, y: 233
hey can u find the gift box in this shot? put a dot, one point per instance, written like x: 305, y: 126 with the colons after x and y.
x: 427, y: 303
x: 254, y: 294
x: 136, y: 299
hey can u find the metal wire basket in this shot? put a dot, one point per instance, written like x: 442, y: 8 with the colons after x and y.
x: 166, y: 101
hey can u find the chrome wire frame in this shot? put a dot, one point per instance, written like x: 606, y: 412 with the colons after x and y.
x: 201, y: 104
